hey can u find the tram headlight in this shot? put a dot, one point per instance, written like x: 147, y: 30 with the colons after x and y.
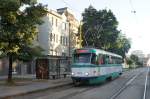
x: 72, y: 73
x: 86, y: 74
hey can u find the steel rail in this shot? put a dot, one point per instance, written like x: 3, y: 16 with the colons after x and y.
x: 125, y: 86
x: 145, y: 87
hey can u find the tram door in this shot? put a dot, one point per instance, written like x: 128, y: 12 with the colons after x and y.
x: 42, y: 69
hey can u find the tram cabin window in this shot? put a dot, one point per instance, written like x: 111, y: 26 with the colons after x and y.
x: 82, y: 58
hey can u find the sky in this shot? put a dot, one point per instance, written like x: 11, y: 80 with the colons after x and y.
x: 134, y: 25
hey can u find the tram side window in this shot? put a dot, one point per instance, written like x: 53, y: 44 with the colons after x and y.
x: 110, y: 60
x: 113, y: 60
x: 118, y: 61
x: 94, y: 59
x: 106, y: 59
x: 101, y: 59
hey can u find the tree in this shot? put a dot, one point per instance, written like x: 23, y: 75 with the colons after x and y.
x: 129, y: 61
x: 134, y: 58
x: 121, y: 46
x: 99, y: 28
x: 18, y: 28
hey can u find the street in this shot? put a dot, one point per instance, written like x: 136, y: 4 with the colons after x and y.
x: 133, y: 84
x: 72, y: 49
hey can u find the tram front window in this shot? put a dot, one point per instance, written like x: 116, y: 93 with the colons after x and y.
x: 82, y: 58
x: 93, y: 59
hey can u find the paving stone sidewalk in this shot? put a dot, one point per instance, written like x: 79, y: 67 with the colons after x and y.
x: 32, y: 86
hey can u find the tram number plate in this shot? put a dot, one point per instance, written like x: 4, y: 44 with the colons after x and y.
x: 79, y: 72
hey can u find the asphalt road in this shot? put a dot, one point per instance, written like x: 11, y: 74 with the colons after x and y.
x: 133, y: 84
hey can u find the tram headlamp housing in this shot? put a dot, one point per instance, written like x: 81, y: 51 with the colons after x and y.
x: 86, y: 74
x: 72, y: 73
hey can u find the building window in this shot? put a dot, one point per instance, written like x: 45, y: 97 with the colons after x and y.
x: 65, y: 26
x: 56, y: 22
x: 60, y: 39
x: 50, y: 36
x: 52, y: 20
x: 63, y: 40
x: 63, y: 54
x: 66, y: 41
x: 54, y: 37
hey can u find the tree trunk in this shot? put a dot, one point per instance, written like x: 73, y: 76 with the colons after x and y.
x: 10, y: 69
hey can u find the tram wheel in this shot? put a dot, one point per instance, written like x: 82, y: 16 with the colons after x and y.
x: 76, y: 83
x: 109, y: 79
x: 120, y: 73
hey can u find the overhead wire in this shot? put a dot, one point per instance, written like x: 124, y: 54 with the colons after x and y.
x: 133, y: 10
x: 74, y: 9
x: 131, y: 4
x: 71, y: 7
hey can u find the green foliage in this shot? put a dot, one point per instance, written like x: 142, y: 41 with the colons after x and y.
x: 129, y: 61
x: 133, y: 61
x: 121, y: 46
x: 134, y: 58
x: 100, y: 30
x: 18, y: 28
x: 28, y: 53
x: 18, y: 25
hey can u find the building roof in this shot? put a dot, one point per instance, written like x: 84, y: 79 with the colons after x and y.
x: 55, y: 13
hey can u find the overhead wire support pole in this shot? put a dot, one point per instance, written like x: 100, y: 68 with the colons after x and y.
x: 69, y: 41
x: 80, y: 31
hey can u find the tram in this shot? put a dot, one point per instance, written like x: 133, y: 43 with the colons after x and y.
x: 92, y: 66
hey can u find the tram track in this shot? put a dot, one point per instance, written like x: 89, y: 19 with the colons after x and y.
x: 42, y: 93
x: 146, y: 84
x: 78, y: 92
x: 71, y: 92
x: 131, y: 79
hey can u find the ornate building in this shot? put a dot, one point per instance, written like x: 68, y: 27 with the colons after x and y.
x: 73, y: 26
x: 53, y: 35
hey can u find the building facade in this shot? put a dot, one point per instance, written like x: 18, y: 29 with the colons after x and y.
x: 73, y: 26
x: 53, y: 34
x: 55, y: 38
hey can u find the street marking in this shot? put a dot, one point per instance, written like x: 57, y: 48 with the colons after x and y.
x: 144, y: 97
x: 130, y: 81
x: 120, y: 90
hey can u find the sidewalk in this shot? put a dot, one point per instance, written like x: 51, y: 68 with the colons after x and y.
x: 32, y: 86
x: 28, y: 76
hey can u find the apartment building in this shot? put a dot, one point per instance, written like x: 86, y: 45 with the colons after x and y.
x: 73, y: 26
x: 53, y: 34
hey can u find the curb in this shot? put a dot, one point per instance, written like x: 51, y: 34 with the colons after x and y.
x: 34, y: 91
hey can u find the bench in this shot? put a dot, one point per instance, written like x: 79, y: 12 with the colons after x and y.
x: 54, y: 75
